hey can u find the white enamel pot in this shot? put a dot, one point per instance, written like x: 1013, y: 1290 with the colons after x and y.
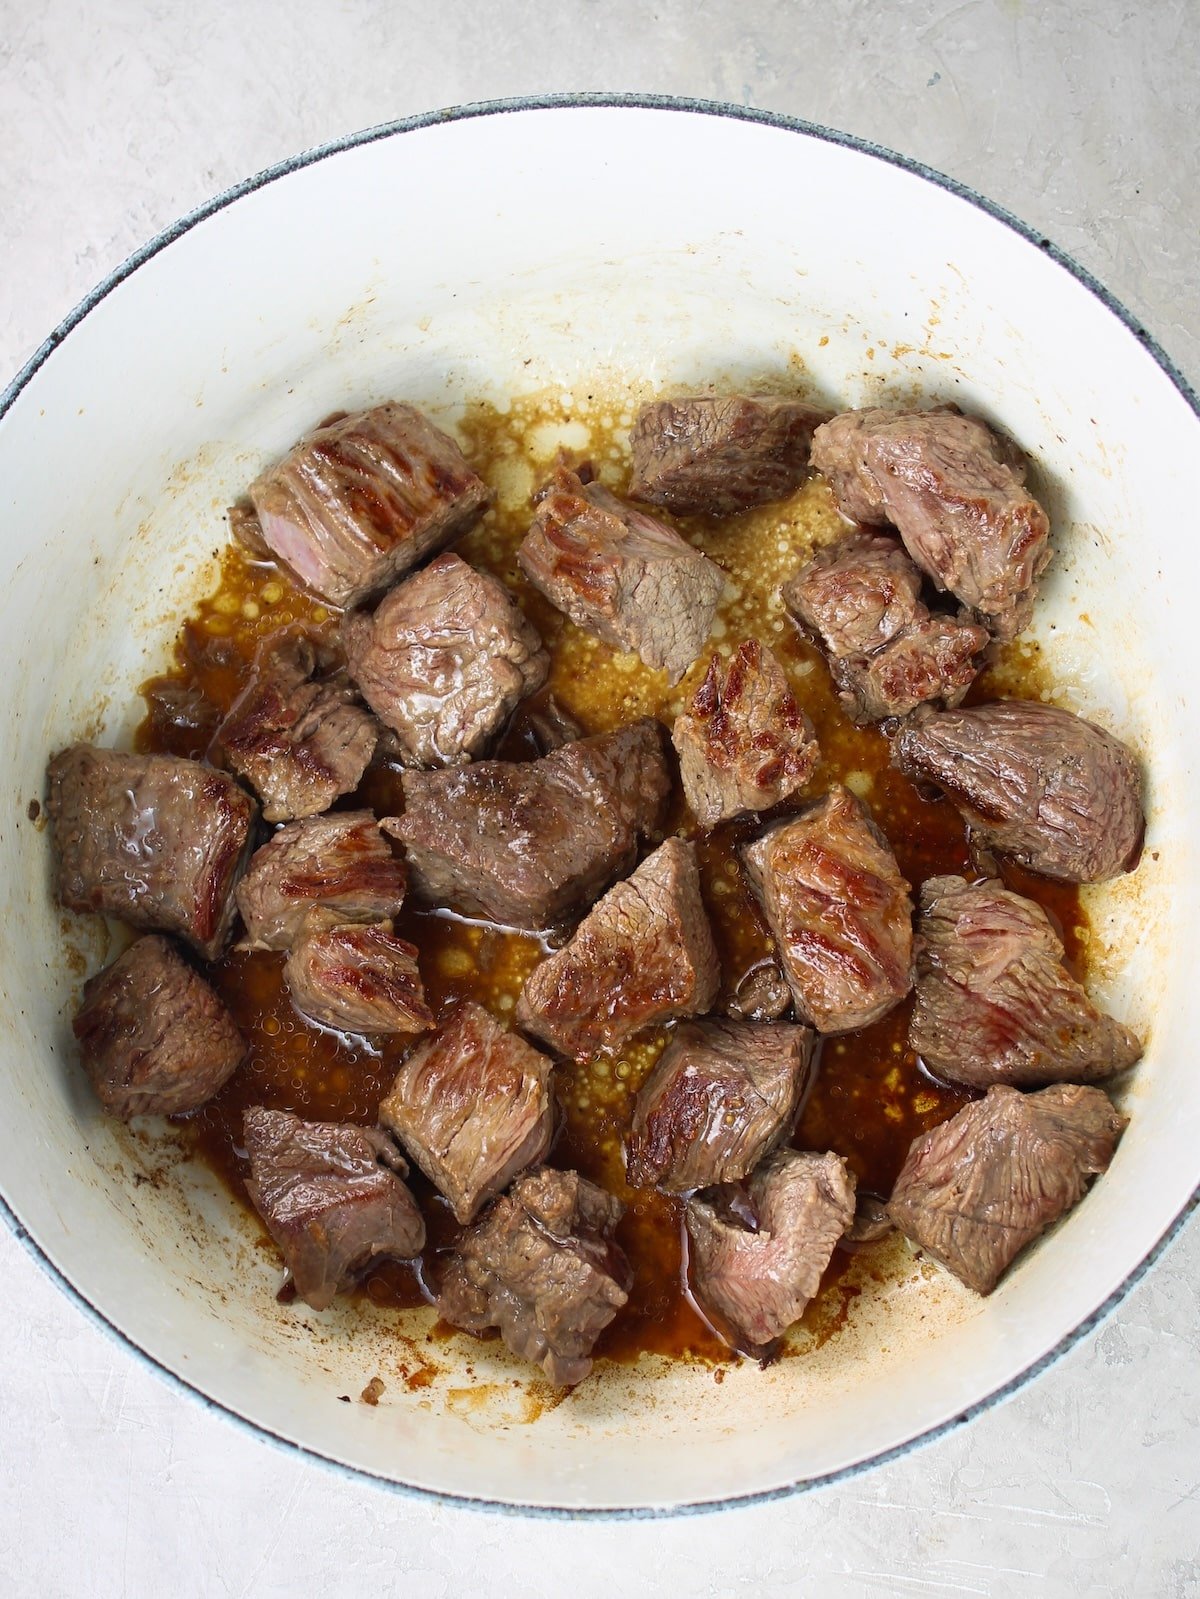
x: 619, y: 248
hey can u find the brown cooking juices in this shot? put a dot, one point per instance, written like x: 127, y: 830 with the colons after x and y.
x: 871, y: 1096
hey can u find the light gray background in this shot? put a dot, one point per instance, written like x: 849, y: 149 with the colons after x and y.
x: 118, y: 116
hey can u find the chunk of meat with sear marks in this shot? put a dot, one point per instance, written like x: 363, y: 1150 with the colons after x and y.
x: 887, y: 653
x: 332, y: 1198
x: 542, y: 1266
x: 643, y: 955
x: 154, y: 840
x: 954, y: 490
x: 340, y: 863
x: 355, y: 978
x: 715, y: 455
x: 1032, y: 781
x: 994, y: 1001
x: 154, y: 1038
x: 621, y: 574
x: 753, y: 1282
x: 472, y: 1106
x: 525, y: 843
x: 839, y: 909
x: 980, y: 1187
x: 363, y: 498
x: 743, y: 742
x: 722, y: 1095
x: 444, y: 660
x: 300, y: 741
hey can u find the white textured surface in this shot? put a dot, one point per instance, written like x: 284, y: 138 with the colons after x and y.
x: 1080, y: 118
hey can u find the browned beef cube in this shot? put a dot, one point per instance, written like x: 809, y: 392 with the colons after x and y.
x: 722, y: 1096
x: 752, y: 1284
x: 762, y: 993
x: 341, y: 863
x: 154, y: 1038
x: 355, y: 978
x: 331, y: 1196
x: 301, y: 741
x: 1058, y: 794
x: 994, y: 1001
x: 621, y: 574
x: 839, y: 910
x: 860, y: 599
x: 363, y: 498
x: 955, y: 492
x: 643, y: 955
x: 541, y: 1265
x: 525, y: 843
x: 977, y: 1189
x: 472, y: 1106
x: 153, y: 840
x: 714, y: 455
x: 444, y: 660
x: 743, y: 742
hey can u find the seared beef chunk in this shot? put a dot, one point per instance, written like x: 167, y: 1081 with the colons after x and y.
x: 341, y: 863
x: 153, y: 840
x: 362, y: 499
x: 542, y: 1266
x: 301, y: 742
x: 954, y: 490
x: 744, y: 744
x: 525, y: 843
x: 752, y: 1284
x: 643, y: 955
x: 621, y: 574
x: 443, y: 661
x: 355, y: 978
x: 994, y: 1002
x: 716, y: 455
x: 762, y: 994
x: 1058, y: 794
x: 860, y: 599
x: 977, y: 1189
x: 839, y: 910
x: 472, y: 1106
x: 154, y: 1038
x: 723, y: 1094
x: 331, y: 1196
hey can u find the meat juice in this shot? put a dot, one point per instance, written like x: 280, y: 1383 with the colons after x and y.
x: 870, y: 1097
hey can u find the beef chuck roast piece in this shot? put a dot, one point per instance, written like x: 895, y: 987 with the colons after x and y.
x: 860, y: 600
x: 643, y: 955
x: 300, y: 741
x: 839, y: 910
x: 356, y: 978
x: 716, y: 455
x: 1058, y: 794
x: 472, y: 1106
x: 743, y: 742
x: 978, y: 1188
x: 752, y: 1284
x: 360, y: 500
x: 154, y: 840
x: 332, y: 1198
x: 722, y: 1095
x: 621, y: 574
x: 994, y: 1001
x: 525, y: 843
x: 444, y: 660
x: 954, y: 490
x: 541, y: 1265
x: 341, y: 863
x: 154, y: 1038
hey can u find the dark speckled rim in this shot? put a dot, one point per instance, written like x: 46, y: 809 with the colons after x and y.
x: 502, y: 108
